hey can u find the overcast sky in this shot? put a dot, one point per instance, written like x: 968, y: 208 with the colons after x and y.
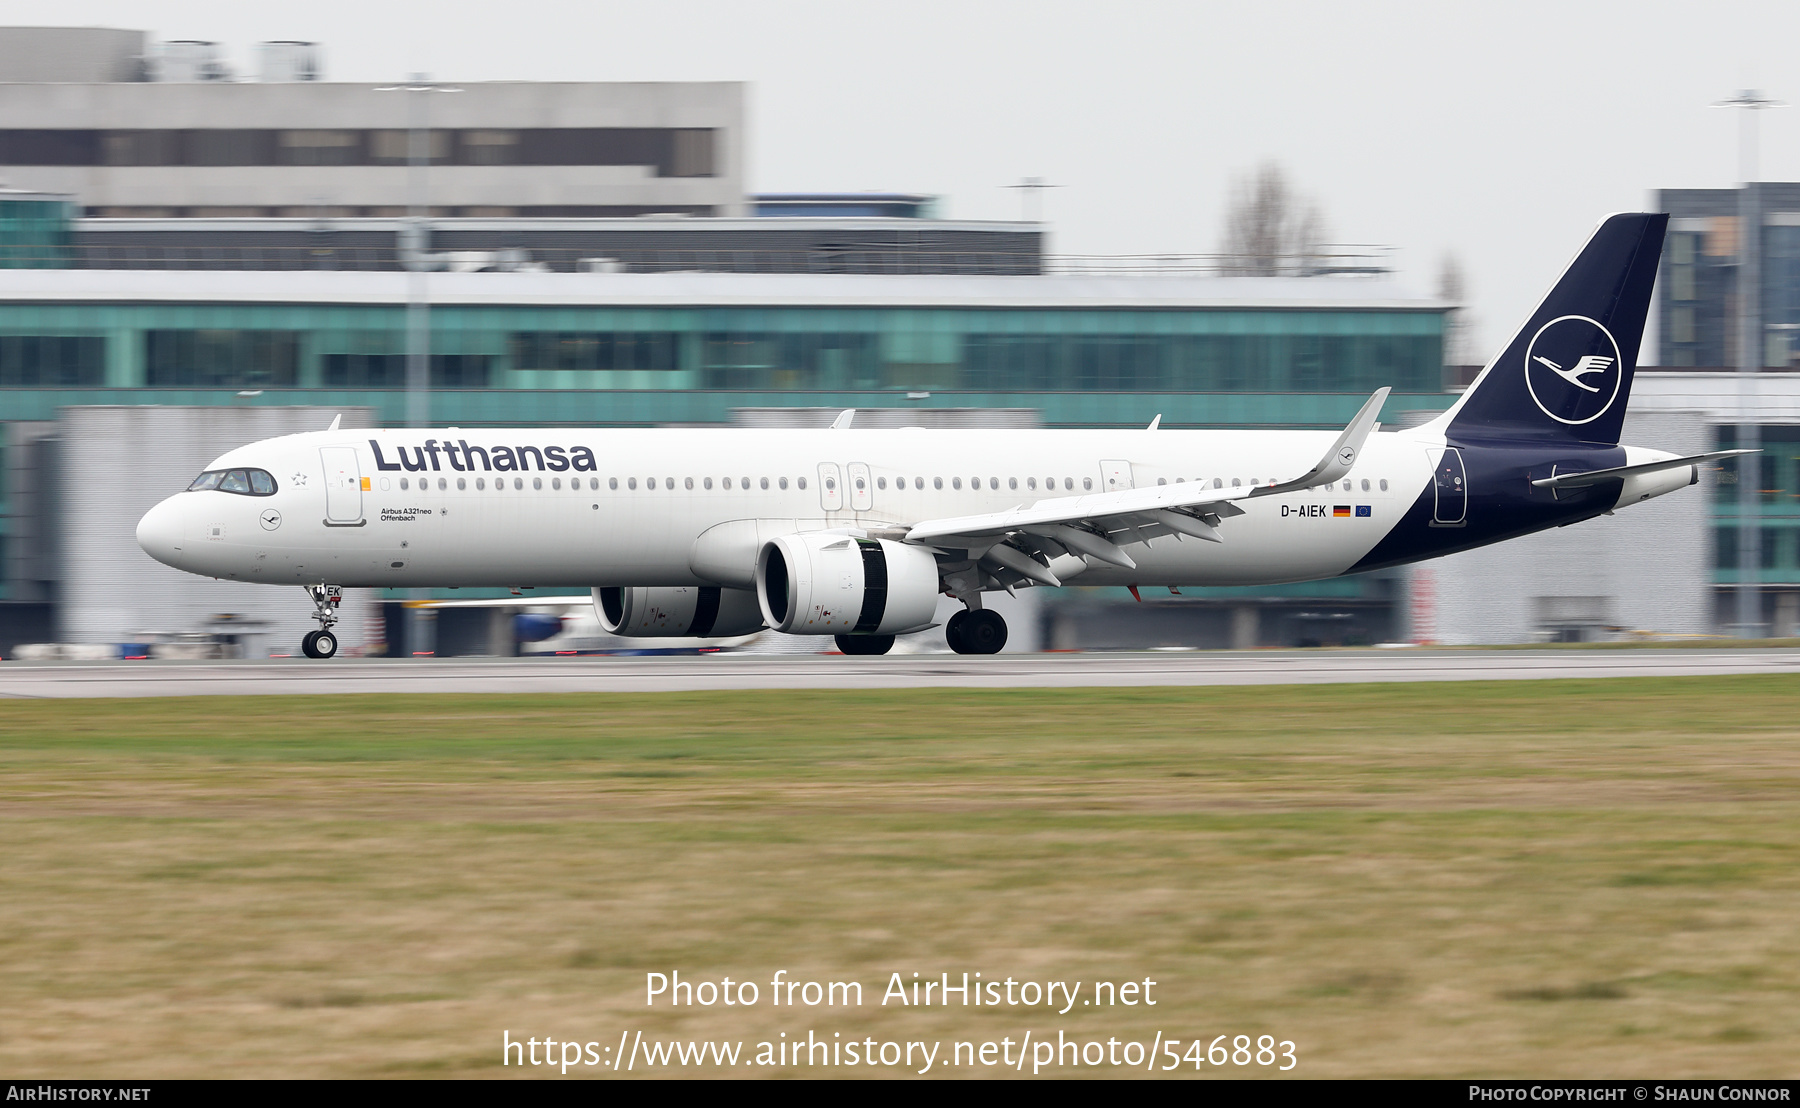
x: 1500, y: 132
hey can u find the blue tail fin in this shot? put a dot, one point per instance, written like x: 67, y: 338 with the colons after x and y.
x: 1566, y: 376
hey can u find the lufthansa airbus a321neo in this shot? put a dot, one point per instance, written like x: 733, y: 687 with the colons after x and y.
x: 856, y: 533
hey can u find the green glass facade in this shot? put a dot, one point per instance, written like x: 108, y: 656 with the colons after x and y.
x: 1776, y: 472
x: 34, y: 233
x: 752, y: 349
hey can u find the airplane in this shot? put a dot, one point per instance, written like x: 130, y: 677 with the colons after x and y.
x: 855, y: 533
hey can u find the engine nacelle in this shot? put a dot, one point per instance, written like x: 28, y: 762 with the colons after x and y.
x: 685, y: 611
x: 822, y: 584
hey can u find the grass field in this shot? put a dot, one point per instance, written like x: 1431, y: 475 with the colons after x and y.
x: 1573, y: 878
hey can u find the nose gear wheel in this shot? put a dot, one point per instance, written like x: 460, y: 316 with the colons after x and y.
x: 322, y: 643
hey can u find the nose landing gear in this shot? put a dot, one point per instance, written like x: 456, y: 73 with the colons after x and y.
x: 322, y: 643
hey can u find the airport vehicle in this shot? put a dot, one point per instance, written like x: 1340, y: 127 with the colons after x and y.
x: 856, y: 533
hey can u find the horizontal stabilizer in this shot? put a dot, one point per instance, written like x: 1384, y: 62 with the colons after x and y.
x: 1595, y: 476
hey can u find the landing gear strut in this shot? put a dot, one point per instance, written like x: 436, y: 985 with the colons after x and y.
x: 980, y: 631
x: 322, y: 643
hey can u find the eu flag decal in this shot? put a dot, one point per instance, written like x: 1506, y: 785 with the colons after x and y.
x: 1340, y: 511
x: 1364, y: 510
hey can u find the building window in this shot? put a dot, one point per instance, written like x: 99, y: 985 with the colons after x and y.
x: 602, y: 350
x: 691, y: 154
x: 667, y: 152
x: 318, y: 147
x: 388, y: 371
x: 38, y: 360
x: 221, y: 146
x: 489, y: 147
x: 221, y: 358
x: 395, y: 147
x: 790, y: 360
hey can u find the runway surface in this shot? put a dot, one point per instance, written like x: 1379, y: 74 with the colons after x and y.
x: 750, y: 671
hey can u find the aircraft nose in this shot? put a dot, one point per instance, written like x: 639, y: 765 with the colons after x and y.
x: 160, y: 532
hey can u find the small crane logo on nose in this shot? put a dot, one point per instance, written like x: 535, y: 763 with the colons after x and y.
x: 270, y: 519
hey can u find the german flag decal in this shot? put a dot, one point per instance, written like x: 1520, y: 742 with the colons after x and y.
x: 1340, y: 511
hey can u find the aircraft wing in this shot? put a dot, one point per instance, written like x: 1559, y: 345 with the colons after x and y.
x: 1098, y: 524
x: 506, y: 602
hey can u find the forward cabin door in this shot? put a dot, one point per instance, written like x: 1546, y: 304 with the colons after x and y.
x: 343, y: 486
x: 1451, y: 485
x: 862, y: 497
x: 1115, y: 476
x: 831, y: 488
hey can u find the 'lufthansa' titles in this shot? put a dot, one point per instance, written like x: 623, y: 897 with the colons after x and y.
x: 461, y: 457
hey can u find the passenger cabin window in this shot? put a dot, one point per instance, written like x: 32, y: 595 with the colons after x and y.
x: 245, y: 482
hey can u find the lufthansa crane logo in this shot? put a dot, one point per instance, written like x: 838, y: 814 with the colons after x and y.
x: 1573, y: 369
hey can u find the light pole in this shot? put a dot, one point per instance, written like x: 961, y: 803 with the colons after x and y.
x: 415, y: 243
x: 1750, y: 358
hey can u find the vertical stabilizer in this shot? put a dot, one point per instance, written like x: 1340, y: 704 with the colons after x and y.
x: 1566, y: 375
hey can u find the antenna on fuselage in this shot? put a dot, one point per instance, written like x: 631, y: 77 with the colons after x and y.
x: 335, y: 420
x: 843, y: 419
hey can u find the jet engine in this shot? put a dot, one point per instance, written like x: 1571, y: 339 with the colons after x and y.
x: 688, y: 611
x: 824, y: 584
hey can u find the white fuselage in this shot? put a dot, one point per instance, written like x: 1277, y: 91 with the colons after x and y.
x: 636, y: 516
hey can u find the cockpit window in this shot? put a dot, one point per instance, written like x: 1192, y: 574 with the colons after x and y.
x: 247, y: 482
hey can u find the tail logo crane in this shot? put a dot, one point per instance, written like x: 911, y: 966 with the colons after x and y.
x: 1572, y: 369
x: 1589, y: 364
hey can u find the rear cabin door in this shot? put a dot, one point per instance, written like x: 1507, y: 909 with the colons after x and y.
x: 862, y: 497
x: 831, y: 488
x: 1451, y: 484
x: 1115, y: 475
x: 343, y: 485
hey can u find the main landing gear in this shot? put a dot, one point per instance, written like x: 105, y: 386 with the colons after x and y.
x: 322, y: 643
x: 976, y: 631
